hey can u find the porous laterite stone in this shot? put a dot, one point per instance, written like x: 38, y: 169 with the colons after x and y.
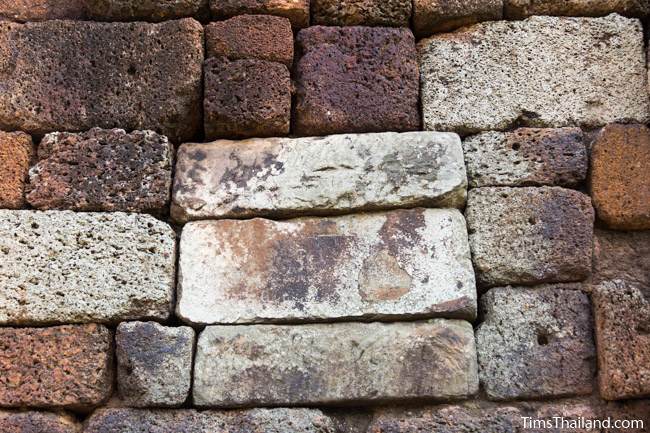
x: 144, y: 10
x: 102, y: 170
x: 154, y: 363
x: 72, y: 76
x: 61, y: 366
x: 16, y: 153
x: 297, y: 11
x: 262, y: 37
x: 37, y: 422
x: 620, y: 163
x: 519, y: 9
x: 41, y: 10
x: 529, y: 235
x: 356, y: 79
x: 438, y: 16
x: 246, y: 98
x: 388, y: 13
x: 367, y: 363
x: 622, y: 256
x: 535, y: 343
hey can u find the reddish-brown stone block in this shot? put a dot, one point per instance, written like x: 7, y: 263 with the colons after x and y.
x: 40, y: 10
x: 437, y: 16
x: 297, y: 11
x: 246, y: 98
x: 60, y: 366
x: 37, y: 422
x: 261, y: 37
x: 16, y: 152
x: 144, y: 10
x: 356, y: 79
x: 389, y: 13
x: 619, y: 176
x: 622, y: 256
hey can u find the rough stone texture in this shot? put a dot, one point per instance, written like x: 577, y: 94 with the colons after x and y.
x: 624, y: 256
x: 40, y: 10
x: 297, y: 11
x: 323, y: 175
x: 620, y: 163
x: 529, y: 235
x: 535, y: 343
x: 376, y: 266
x: 102, y: 170
x: 154, y: 363
x: 61, y: 366
x: 72, y: 76
x: 261, y: 37
x: 37, y: 422
x: 629, y: 410
x: 526, y: 157
x: 16, y: 152
x: 66, y: 267
x: 144, y: 10
x: 334, y: 363
x: 356, y: 79
x: 541, y: 72
x: 438, y: 16
x: 389, y: 13
x: 186, y: 420
x: 519, y: 9
x: 622, y: 316
x: 246, y: 98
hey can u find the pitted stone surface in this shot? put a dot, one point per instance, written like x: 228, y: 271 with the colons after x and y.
x: 622, y: 256
x: 66, y: 267
x: 356, y: 79
x: 536, y: 343
x: 526, y: 157
x: 37, y: 422
x: 144, y: 10
x: 438, y: 16
x: 102, y: 170
x: 191, y: 421
x: 246, y: 98
x: 334, y: 363
x: 154, y: 363
x: 541, y: 72
x: 40, y: 10
x: 16, y: 153
x: 61, y: 366
x: 519, y: 9
x: 406, y: 263
x: 297, y: 11
x: 629, y: 410
x: 72, y: 76
x: 387, y: 13
x: 620, y: 163
x: 262, y: 37
x: 323, y: 175
x: 529, y: 235
x: 622, y: 314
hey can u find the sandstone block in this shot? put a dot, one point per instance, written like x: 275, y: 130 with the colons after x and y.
x: 324, y: 175
x: 387, y: 13
x: 37, y: 422
x: 72, y: 76
x: 65, y: 267
x: 154, y: 363
x: 261, y: 37
x: 187, y: 420
x: 297, y: 11
x: 622, y: 255
x: 437, y: 16
x: 529, y: 235
x: 144, y: 10
x: 526, y: 157
x: 620, y: 163
x: 61, y: 366
x: 540, y: 72
x: 535, y: 343
x: 519, y: 9
x: 128, y: 172
x: 233, y: 108
x: 622, y: 314
x: 40, y: 10
x: 16, y: 152
x: 407, y: 263
x: 356, y: 79
x: 334, y: 363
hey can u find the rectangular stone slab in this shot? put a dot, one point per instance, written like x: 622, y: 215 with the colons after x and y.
x: 400, y: 264
x: 66, y: 267
x: 334, y: 363
x: 323, y: 175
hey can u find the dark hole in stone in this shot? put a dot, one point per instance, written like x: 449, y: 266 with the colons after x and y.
x: 542, y: 339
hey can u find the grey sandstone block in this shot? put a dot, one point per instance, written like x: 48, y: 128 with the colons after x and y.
x: 66, y: 267
x: 323, y: 175
x: 334, y: 363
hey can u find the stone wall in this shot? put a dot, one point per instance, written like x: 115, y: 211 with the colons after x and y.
x: 408, y: 216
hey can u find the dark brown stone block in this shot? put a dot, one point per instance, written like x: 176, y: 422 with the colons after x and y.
x: 356, y: 79
x: 37, y: 422
x: 622, y: 256
x: 16, y: 152
x: 297, y: 11
x: 437, y: 16
x: 72, y: 76
x: 389, y: 13
x: 144, y: 10
x: 40, y: 10
x: 246, y: 98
